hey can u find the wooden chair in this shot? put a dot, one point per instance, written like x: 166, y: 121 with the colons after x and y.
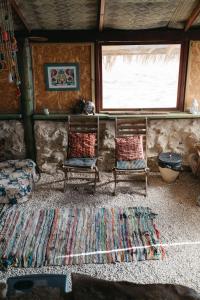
x: 124, y: 129
x: 78, y: 160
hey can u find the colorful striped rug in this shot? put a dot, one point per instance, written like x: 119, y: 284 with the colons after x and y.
x: 57, y: 237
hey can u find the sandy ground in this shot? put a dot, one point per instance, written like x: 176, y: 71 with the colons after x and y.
x: 178, y: 221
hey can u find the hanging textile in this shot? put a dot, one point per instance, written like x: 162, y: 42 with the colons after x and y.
x: 8, y: 44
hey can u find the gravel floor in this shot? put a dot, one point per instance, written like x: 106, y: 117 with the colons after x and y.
x: 178, y: 221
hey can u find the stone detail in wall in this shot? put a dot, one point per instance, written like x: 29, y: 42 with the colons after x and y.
x: 194, y: 160
x: 51, y: 144
x: 107, y: 145
x: 163, y: 135
x: 173, y: 135
x: 12, y: 144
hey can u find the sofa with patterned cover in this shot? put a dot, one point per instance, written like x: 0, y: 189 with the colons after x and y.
x: 16, y: 180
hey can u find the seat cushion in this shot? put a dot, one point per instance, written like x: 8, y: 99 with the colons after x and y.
x: 137, y: 164
x: 80, y: 162
x: 82, y: 144
x: 129, y: 148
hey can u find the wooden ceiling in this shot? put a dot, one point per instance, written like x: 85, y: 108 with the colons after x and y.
x: 105, y: 14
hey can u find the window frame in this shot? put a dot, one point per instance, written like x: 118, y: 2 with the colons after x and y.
x: 181, y: 77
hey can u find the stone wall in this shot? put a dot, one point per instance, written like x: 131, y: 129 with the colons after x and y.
x: 173, y: 135
x: 12, y: 144
x: 163, y: 135
x: 51, y: 144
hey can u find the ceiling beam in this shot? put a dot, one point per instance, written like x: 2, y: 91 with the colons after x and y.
x: 126, y: 36
x: 101, y: 14
x: 115, y: 36
x: 195, y: 13
x: 18, y: 11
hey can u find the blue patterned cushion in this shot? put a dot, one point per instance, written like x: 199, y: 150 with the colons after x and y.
x: 19, y: 163
x: 80, y: 162
x: 16, y: 180
x: 131, y: 164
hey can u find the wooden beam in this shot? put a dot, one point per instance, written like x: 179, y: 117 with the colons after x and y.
x: 182, y: 75
x: 98, y: 79
x: 195, y: 13
x: 101, y: 14
x: 114, y: 35
x: 18, y: 11
x: 27, y: 98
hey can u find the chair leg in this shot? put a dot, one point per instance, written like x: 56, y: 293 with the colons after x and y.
x: 146, y: 184
x: 66, y: 179
x: 115, y: 179
x: 95, y: 181
x: 98, y: 176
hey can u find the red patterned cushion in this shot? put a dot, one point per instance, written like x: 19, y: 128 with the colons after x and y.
x: 129, y: 148
x: 82, y: 144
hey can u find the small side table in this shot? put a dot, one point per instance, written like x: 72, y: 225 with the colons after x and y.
x: 169, y: 165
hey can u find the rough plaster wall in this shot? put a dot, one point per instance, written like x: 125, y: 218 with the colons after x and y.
x: 51, y: 144
x: 107, y: 145
x: 173, y: 135
x: 163, y: 135
x: 12, y: 140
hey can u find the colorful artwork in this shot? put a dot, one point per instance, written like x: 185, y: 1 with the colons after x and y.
x: 62, y: 76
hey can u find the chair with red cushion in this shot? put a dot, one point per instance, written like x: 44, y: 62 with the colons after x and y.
x: 130, y: 150
x: 82, y: 152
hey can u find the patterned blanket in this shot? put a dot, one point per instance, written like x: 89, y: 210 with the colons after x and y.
x: 16, y: 180
x: 77, y: 236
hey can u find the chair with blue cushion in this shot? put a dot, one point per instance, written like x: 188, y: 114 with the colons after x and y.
x: 130, y: 151
x: 82, y: 152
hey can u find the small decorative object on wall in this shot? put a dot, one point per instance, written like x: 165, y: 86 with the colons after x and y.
x: 89, y: 107
x: 46, y: 111
x: 62, y: 76
x: 84, y: 106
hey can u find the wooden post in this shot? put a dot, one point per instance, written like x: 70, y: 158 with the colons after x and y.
x: 27, y: 99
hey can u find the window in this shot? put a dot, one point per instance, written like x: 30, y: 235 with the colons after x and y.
x: 140, y: 76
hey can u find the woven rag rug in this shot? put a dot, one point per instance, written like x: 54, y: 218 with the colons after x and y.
x: 56, y: 237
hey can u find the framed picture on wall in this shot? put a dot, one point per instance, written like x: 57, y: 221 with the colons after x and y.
x: 62, y: 76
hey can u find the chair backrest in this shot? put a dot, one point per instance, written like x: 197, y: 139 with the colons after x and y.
x: 84, y: 124
x: 130, y: 127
